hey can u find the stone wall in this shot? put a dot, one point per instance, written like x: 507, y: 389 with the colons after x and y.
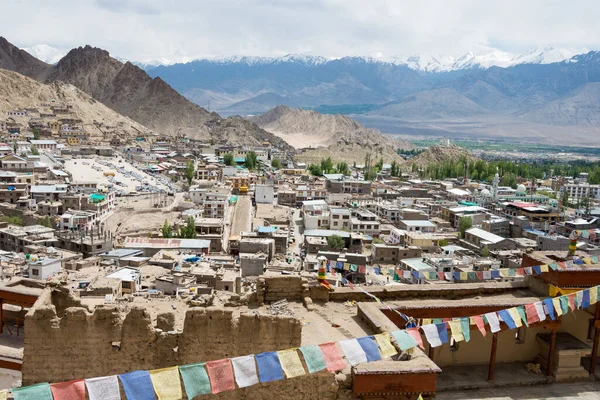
x: 274, y: 288
x: 64, y: 340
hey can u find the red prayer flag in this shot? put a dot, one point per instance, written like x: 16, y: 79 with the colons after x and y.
x: 521, y: 271
x: 571, y: 298
x: 333, y: 358
x: 332, y: 271
x: 362, y: 269
x: 72, y: 390
x: 326, y: 284
x: 532, y: 315
x: 440, y: 276
x: 562, y: 265
x: 414, y: 332
x: 480, y: 324
x: 351, y: 285
x: 479, y: 275
x: 221, y: 377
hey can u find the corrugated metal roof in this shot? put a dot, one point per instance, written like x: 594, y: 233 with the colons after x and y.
x: 163, y: 243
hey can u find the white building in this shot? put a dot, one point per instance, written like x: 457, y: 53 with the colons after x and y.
x: 579, y: 191
x: 316, y: 214
x: 264, y: 194
x: 416, y: 226
x: 45, y: 268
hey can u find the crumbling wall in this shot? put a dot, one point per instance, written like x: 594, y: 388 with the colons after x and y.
x: 274, y: 288
x: 82, y: 344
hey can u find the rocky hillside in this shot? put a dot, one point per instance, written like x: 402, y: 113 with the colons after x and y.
x: 14, y: 59
x: 441, y: 154
x: 18, y: 91
x: 130, y: 91
x: 326, y: 135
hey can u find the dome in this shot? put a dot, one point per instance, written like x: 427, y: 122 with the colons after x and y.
x: 521, y: 189
x: 486, y: 193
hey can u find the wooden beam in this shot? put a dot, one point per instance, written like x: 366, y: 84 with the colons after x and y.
x: 493, y: 357
x: 594, y: 359
x: 551, y: 353
x: 15, y: 366
x: 430, y: 352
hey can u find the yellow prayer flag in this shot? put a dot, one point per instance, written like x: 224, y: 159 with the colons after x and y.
x: 514, y: 313
x: 385, y: 345
x: 587, y: 260
x: 544, y: 268
x: 557, y: 307
x: 420, y: 397
x: 456, y: 329
x: 593, y: 295
x: 503, y: 272
x: 290, y: 363
x: 464, y: 276
x: 4, y: 394
x: 426, y: 321
x: 166, y: 383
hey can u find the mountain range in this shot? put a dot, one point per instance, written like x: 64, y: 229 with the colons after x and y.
x: 129, y: 90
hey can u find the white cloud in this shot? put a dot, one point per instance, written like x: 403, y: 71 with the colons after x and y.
x: 184, y: 29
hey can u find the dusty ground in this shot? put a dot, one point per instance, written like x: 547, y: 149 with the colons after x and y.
x: 303, y: 140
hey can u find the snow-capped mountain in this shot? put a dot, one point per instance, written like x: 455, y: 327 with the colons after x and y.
x: 47, y: 54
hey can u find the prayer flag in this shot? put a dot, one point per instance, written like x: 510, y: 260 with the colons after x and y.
x: 443, y: 332
x: 440, y: 276
x: 313, y: 357
x: 432, y: 335
x: 493, y: 321
x: 166, y: 383
x: 72, y: 390
x: 40, y: 391
x: 512, y: 272
x: 593, y: 296
x: 523, y: 315
x: 353, y: 267
x: 415, y: 333
x: 537, y: 269
x: 557, y: 307
x: 405, y: 340
x: 585, y: 298
x: 549, y: 306
x: 507, y: 318
x: 479, y: 275
x: 448, y: 276
x: 587, y: 260
x: 562, y: 265
x: 532, y: 315
x: 464, y: 276
x: 244, y: 369
x: 487, y: 275
x: 385, y: 345
x: 578, y: 299
x: 362, y: 269
x: 137, y: 385
x: 354, y: 353
x: 521, y: 271
x: 370, y: 348
x: 480, y: 324
x: 516, y: 317
x: 564, y: 304
x: 495, y: 274
x: 426, y: 321
x: 456, y: 330
x: 571, y: 299
x: 3, y: 394
x: 553, y: 266
x: 104, y: 388
x: 544, y: 268
x: 269, y: 367
x: 472, y: 276
x: 290, y: 363
x: 539, y: 308
x: 466, y: 328
x: 221, y: 377
x: 195, y: 379
x: 333, y: 358
x: 456, y: 276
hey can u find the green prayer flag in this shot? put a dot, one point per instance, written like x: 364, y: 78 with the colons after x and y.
x: 521, y: 311
x: 465, y: 324
x: 564, y: 304
x: 472, y: 276
x: 40, y: 391
x: 353, y: 267
x: 554, y: 266
x: 437, y: 321
x: 195, y: 379
x: 315, y: 361
x: 404, y: 340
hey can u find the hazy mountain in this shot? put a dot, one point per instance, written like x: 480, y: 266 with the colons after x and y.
x: 45, y: 53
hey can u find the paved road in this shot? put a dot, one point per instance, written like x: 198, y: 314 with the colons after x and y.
x: 562, y: 391
x: 242, y: 216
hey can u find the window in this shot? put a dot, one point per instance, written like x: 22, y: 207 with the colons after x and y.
x: 35, y: 271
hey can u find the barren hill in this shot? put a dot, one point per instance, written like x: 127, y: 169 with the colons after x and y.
x: 323, y: 135
x: 18, y: 91
x: 132, y: 92
x: 441, y: 154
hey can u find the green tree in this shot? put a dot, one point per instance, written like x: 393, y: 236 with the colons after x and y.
x: 228, y: 159
x: 443, y: 243
x: 464, y: 223
x: 46, y: 221
x: 188, y: 231
x: 342, y: 168
x: 275, y: 163
x: 36, y: 134
x: 395, y: 169
x: 16, y: 220
x: 586, y: 204
x: 315, y: 169
x: 167, y: 230
x: 485, y: 252
x: 189, y: 172
x: 251, y: 160
x: 336, y: 242
x: 379, y: 165
x: 565, y: 199
x: 327, y: 165
x: 35, y: 151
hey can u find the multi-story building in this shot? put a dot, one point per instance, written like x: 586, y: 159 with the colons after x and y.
x: 316, y: 214
x: 339, y: 218
x: 11, y: 192
x: 305, y: 192
x: 578, y: 191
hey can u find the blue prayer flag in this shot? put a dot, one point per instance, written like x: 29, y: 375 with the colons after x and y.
x: 138, y: 385
x: 443, y: 332
x: 370, y: 348
x: 537, y: 269
x: 269, y: 367
x: 507, y: 318
x: 549, y: 308
x: 585, y: 299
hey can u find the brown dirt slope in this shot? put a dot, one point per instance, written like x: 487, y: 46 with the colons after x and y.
x: 440, y: 154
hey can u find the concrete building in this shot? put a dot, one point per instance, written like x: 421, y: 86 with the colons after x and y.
x: 316, y: 214
x: 390, y: 254
x: 339, y: 218
x: 130, y: 278
x: 151, y: 246
x: 44, y: 268
x: 417, y: 225
x: 264, y: 194
x: 253, y: 264
x: 479, y: 239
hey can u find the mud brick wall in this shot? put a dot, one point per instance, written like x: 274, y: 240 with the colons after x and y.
x: 275, y: 288
x: 77, y: 343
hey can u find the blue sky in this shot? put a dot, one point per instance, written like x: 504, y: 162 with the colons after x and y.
x: 180, y: 30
